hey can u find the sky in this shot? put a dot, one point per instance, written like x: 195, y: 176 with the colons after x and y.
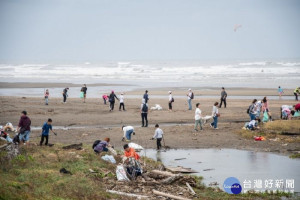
x: 97, y: 30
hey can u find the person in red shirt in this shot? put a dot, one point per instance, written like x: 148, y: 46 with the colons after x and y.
x: 130, y: 152
x: 297, y: 107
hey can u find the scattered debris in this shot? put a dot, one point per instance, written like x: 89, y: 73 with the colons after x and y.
x: 168, y: 195
x: 213, y: 184
x: 128, y: 194
x: 179, y: 158
x: 190, y: 188
x: 208, y: 169
x: 109, y: 158
x: 156, y: 107
x: 64, y: 171
x: 181, y: 169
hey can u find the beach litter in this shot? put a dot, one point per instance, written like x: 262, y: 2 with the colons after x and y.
x: 109, y: 158
x: 156, y: 107
x: 259, y: 138
x: 135, y: 146
x: 73, y: 146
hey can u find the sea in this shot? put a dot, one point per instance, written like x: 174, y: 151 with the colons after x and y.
x: 135, y: 75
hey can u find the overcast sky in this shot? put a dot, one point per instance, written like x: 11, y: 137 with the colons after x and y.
x: 95, y: 30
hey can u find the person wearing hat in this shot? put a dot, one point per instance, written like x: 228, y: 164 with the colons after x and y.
x: 146, y: 97
x: 65, y: 94
x: 122, y: 102
x: 171, y: 100
x: 111, y: 99
x: 223, y: 97
x: 190, y: 96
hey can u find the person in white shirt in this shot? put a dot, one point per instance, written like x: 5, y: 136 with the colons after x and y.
x: 190, y: 96
x: 215, y: 115
x: 171, y: 100
x: 158, y: 135
x: 198, y: 117
x: 122, y: 102
x: 128, y: 130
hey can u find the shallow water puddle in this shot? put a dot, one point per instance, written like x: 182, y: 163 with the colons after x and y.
x: 215, y: 165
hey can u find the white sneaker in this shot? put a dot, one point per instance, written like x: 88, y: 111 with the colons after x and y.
x: 216, y: 128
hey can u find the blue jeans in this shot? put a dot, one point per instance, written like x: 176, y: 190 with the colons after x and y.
x: 128, y: 134
x: 46, y: 101
x: 25, y: 136
x: 215, y: 123
x: 190, y: 104
x: 252, y: 116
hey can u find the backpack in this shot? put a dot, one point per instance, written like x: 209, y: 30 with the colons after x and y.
x: 145, y: 108
x: 172, y: 99
x: 248, y: 110
x: 96, y: 143
x: 192, y: 96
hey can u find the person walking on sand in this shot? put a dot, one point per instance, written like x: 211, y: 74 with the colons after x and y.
x: 198, y: 117
x: 190, y: 96
x: 146, y: 97
x: 144, y: 113
x: 122, y: 102
x: 280, y: 91
x: 215, y: 115
x: 223, y: 97
x: 46, y: 97
x: 158, y: 135
x: 171, y: 100
x: 265, y: 107
x: 128, y: 130
x: 45, y: 132
x: 296, y: 92
x: 65, y: 94
x: 84, y: 89
x: 24, y: 127
x: 111, y: 98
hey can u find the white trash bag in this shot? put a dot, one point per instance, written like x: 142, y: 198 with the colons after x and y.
x: 109, y: 158
x: 135, y: 146
x: 121, y: 173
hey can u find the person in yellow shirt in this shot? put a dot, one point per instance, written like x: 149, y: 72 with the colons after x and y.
x: 296, y: 92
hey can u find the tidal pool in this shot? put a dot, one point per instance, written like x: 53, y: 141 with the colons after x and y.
x: 255, y: 170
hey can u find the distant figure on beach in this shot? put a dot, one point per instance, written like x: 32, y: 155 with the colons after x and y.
x: 46, y: 97
x: 280, y: 91
x: 105, y: 98
x: 122, y: 102
x: 265, y: 107
x: 144, y: 113
x: 198, y: 118
x: 158, y: 135
x: 128, y: 130
x: 215, y: 114
x: 112, y: 97
x: 252, y: 110
x: 84, y: 89
x: 146, y: 97
x: 65, y: 94
x: 45, y: 132
x: 102, y: 146
x: 223, y: 97
x: 24, y: 127
x: 296, y: 93
x: 171, y: 100
x: 190, y: 96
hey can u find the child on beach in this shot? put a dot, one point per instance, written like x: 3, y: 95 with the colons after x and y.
x: 280, y: 91
x: 122, y: 102
x: 198, y: 117
x: 46, y: 97
x: 105, y: 98
x: 158, y: 135
x: 215, y: 114
x: 45, y: 132
x: 265, y: 107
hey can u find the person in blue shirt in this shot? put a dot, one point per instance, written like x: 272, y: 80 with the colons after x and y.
x: 45, y: 131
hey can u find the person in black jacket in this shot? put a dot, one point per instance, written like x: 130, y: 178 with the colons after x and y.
x: 111, y: 99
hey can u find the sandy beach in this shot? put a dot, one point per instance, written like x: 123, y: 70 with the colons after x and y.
x: 78, y: 122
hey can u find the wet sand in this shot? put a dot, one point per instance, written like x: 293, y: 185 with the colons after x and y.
x: 100, y: 123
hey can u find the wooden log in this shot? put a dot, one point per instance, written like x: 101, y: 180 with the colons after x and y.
x: 73, y: 146
x: 171, y: 179
x: 163, y: 173
x: 3, y: 146
x: 128, y: 194
x: 168, y: 195
x: 190, y: 188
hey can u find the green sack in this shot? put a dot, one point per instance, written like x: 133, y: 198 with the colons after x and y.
x: 266, y: 117
x: 81, y: 94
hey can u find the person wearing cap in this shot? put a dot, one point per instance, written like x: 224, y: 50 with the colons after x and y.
x: 65, y: 94
x: 122, y: 102
x: 24, y: 127
x: 171, y: 100
x: 111, y: 98
x: 223, y: 97
x: 146, y: 97
x: 190, y: 96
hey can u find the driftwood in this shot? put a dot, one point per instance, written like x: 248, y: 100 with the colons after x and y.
x: 73, y: 146
x: 128, y: 194
x: 190, y: 188
x: 3, y: 146
x: 171, y: 179
x: 168, y: 195
x: 181, y: 169
x: 163, y: 173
